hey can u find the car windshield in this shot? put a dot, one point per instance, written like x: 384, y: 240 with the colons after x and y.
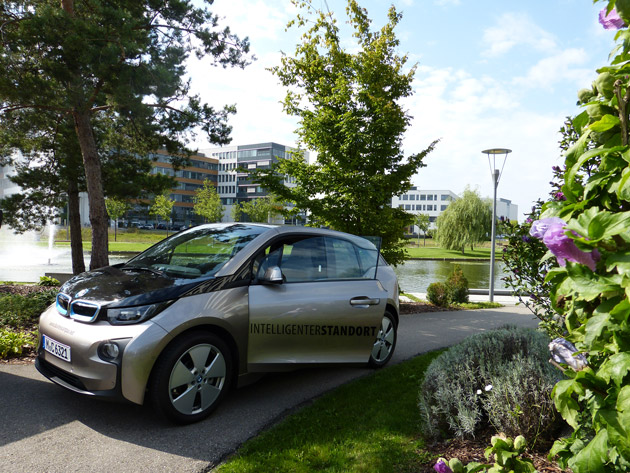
x: 198, y: 252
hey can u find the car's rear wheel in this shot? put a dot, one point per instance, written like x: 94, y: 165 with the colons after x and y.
x: 191, y: 377
x: 385, y: 343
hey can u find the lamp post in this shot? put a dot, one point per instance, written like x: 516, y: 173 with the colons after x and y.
x: 496, y: 175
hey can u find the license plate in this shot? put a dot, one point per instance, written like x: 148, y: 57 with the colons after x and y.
x: 55, y: 348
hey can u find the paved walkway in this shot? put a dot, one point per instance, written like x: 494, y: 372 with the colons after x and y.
x: 46, y: 428
x: 501, y: 299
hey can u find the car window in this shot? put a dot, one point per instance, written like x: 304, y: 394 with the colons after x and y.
x: 317, y: 259
x: 343, y: 261
x: 304, y: 260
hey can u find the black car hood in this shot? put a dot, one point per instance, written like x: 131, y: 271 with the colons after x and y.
x: 115, y: 287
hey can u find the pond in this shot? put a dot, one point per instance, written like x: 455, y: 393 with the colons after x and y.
x: 416, y: 275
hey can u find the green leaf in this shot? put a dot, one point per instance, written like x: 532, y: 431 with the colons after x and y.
x: 621, y: 261
x: 605, y: 123
x: 566, y: 405
x: 623, y: 190
x: 615, y: 368
x: 593, y: 457
x: 588, y: 284
x: 594, y: 328
x: 623, y: 8
x: 580, y: 121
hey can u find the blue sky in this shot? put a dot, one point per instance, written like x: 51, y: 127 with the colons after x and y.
x: 490, y: 74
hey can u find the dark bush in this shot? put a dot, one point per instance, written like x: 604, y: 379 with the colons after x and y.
x: 499, y: 379
x: 457, y: 286
x: 437, y: 293
x: 23, y: 311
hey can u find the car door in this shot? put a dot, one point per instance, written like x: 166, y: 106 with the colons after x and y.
x: 326, y: 310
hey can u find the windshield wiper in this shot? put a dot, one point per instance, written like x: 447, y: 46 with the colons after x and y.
x: 142, y: 268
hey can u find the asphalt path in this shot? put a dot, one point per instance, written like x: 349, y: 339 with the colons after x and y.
x: 48, y: 429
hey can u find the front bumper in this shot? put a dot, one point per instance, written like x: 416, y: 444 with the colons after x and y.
x: 89, y: 372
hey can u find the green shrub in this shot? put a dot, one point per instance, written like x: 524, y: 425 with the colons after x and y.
x: 457, y: 286
x: 18, y: 311
x: 437, y: 293
x: 498, y: 379
x: 13, y: 343
x: 48, y: 281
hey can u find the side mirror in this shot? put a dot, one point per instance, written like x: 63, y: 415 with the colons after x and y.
x: 273, y: 275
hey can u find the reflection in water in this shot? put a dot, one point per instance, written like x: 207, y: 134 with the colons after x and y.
x: 416, y: 275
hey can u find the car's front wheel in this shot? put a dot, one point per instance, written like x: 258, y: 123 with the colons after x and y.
x: 385, y: 343
x: 191, y: 377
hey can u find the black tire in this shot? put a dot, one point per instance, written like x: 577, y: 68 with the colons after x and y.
x: 191, y: 377
x: 385, y: 342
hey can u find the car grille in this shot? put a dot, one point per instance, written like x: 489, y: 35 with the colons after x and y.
x: 82, y: 311
x: 52, y: 371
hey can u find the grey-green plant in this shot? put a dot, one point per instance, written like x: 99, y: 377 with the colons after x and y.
x: 499, y: 379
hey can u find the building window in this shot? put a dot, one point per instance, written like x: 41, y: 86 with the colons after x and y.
x: 251, y: 190
x: 446, y: 197
x: 423, y: 197
x: 443, y: 208
x: 407, y: 207
x: 251, y: 166
x: 430, y: 197
x: 405, y: 197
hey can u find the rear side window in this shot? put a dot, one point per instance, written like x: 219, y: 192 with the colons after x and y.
x: 318, y: 259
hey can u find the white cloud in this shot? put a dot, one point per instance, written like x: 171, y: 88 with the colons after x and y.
x: 559, y: 67
x: 514, y: 29
x: 470, y: 114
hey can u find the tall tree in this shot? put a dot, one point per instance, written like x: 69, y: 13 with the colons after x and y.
x: 349, y: 110
x: 422, y: 221
x: 49, y: 170
x: 465, y: 222
x: 261, y: 209
x: 208, y: 203
x: 116, y: 208
x: 125, y: 58
x: 162, y: 207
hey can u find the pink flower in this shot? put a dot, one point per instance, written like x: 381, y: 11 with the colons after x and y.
x: 612, y: 21
x: 552, y: 232
x: 564, y: 248
x: 540, y: 227
x: 442, y: 467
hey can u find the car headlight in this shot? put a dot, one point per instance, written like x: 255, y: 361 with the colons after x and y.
x: 133, y: 315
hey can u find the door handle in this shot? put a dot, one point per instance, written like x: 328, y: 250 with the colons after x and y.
x: 364, y: 301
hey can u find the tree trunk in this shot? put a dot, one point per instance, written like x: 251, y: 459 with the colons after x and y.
x: 96, y: 199
x: 74, y: 220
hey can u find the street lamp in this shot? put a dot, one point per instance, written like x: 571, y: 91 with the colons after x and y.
x: 496, y: 175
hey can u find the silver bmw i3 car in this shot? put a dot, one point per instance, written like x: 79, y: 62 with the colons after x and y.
x: 200, y: 312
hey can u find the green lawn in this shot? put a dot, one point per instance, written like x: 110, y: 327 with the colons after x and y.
x: 368, y: 425
x: 137, y: 241
x: 439, y: 253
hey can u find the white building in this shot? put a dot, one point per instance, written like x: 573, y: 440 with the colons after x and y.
x: 421, y: 201
x: 434, y: 202
x: 236, y: 186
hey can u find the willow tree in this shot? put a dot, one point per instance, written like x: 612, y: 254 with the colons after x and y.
x: 81, y: 59
x: 465, y: 222
x: 348, y: 103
